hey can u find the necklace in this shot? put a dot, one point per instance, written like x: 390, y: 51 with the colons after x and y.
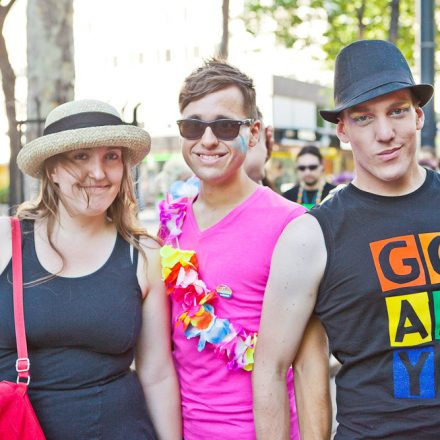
x: 304, y: 201
x: 198, y: 319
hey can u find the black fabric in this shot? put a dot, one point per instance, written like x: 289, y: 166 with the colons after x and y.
x: 292, y: 193
x: 81, y: 335
x: 83, y: 120
x: 379, y: 303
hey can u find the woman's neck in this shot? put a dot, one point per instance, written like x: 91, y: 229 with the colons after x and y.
x: 80, y: 226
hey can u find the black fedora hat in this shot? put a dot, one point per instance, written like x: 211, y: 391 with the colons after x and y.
x: 367, y: 69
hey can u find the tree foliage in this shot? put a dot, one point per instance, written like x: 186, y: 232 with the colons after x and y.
x: 347, y: 21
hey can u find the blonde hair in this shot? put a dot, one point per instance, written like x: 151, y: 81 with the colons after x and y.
x: 122, y: 212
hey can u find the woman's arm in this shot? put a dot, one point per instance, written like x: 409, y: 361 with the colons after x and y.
x: 154, y: 361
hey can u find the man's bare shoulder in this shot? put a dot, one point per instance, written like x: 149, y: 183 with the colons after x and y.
x: 304, y: 230
x: 302, y: 245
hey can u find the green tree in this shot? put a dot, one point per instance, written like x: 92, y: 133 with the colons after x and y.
x: 347, y: 21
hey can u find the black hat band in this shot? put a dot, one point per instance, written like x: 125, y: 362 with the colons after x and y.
x: 83, y: 120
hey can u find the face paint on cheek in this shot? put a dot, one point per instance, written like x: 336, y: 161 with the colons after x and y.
x: 241, y: 144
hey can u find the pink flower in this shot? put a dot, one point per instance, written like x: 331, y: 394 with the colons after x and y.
x: 186, y: 277
x: 171, y: 216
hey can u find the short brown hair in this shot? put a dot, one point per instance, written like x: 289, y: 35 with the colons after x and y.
x: 216, y: 75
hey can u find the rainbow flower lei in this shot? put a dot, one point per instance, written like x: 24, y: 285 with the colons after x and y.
x: 183, y: 283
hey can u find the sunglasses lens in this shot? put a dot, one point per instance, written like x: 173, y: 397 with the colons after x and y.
x: 226, y: 129
x: 310, y: 167
x: 191, y: 128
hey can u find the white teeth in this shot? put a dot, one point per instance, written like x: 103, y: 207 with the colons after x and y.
x: 210, y: 157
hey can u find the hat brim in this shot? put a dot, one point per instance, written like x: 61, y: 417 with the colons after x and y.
x: 423, y: 92
x: 31, y: 157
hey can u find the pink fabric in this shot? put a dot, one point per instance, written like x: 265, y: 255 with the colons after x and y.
x: 237, y: 251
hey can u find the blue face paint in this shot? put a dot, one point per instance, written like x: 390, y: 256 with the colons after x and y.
x: 241, y: 144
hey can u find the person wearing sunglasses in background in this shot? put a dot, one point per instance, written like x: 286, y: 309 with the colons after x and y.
x: 312, y: 187
x: 232, y: 226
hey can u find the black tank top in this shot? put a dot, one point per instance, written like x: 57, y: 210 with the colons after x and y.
x: 81, y: 335
x: 379, y: 301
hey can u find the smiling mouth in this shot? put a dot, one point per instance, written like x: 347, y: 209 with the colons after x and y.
x: 390, y: 151
x: 95, y: 187
x: 210, y: 157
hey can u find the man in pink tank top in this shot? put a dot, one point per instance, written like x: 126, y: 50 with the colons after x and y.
x: 233, y: 226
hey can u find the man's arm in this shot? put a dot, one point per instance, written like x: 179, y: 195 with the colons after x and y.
x: 297, y: 266
x: 312, y: 391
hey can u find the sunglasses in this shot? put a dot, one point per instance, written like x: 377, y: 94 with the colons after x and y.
x: 305, y: 167
x: 224, y: 129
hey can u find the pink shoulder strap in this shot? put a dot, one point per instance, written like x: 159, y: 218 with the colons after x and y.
x: 22, y: 365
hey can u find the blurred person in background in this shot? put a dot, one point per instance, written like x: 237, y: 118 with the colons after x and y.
x: 312, y: 187
x: 427, y: 158
x: 174, y: 170
x: 258, y: 156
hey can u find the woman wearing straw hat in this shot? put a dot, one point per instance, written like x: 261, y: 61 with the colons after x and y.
x: 93, y: 289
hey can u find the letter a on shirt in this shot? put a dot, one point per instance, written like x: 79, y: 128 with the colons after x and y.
x: 409, y: 319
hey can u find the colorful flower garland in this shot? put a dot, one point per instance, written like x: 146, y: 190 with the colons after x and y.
x: 198, y: 318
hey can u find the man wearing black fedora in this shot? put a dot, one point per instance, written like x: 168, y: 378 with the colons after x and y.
x: 366, y: 263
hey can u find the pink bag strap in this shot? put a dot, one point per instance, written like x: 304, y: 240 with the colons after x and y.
x: 22, y: 365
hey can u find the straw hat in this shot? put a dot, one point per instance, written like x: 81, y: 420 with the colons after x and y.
x: 82, y: 124
x: 367, y: 69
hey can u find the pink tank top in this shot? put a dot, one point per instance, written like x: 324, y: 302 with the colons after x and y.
x: 236, y: 252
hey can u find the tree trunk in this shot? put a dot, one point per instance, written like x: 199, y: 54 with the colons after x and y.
x: 8, y: 85
x: 50, y: 66
x: 223, y: 52
x: 394, y: 22
x: 360, y: 17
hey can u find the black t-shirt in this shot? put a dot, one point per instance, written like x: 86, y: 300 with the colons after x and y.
x: 379, y: 302
x: 309, y: 197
